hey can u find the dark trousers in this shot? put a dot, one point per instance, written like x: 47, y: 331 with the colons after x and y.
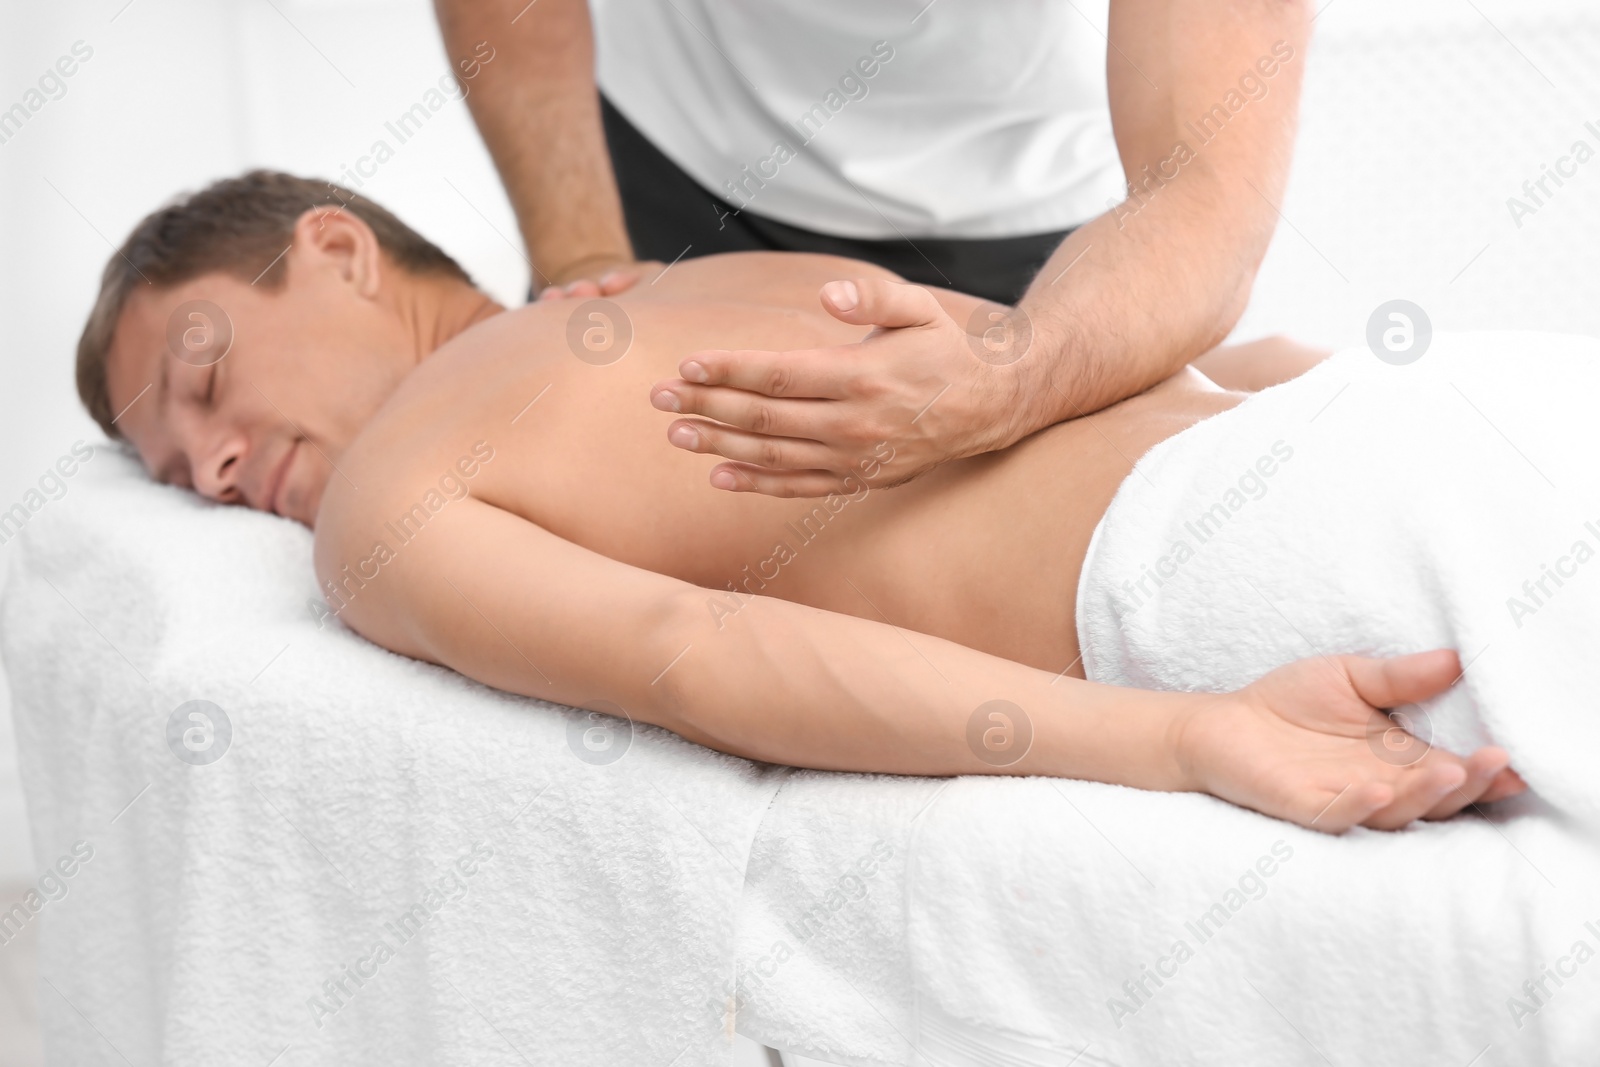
x: 670, y: 215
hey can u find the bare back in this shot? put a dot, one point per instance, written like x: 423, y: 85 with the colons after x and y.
x: 985, y: 552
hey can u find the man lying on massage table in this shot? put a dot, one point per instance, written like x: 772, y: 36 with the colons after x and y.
x: 493, y: 491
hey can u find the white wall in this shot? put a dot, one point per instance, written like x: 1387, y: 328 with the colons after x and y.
x: 1420, y: 120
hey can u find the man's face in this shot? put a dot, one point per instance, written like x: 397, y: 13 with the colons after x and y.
x: 259, y: 418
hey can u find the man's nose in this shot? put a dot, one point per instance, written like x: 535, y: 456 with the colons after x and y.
x: 217, y: 468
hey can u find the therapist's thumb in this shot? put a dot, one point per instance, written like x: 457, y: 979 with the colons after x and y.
x: 878, y: 302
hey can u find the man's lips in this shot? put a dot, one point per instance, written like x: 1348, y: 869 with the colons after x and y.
x: 275, y: 484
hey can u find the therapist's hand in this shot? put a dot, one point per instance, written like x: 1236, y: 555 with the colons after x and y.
x: 913, y: 394
x: 605, y: 278
x: 1308, y: 743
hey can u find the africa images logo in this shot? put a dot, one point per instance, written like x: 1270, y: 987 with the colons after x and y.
x: 199, y: 732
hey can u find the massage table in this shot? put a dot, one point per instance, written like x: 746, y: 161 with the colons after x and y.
x: 353, y: 857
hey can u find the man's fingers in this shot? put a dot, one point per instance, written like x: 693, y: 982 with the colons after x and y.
x: 1508, y: 783
x: 1419, y: 790
x: 1484, y: 777
x: 878, y: 302
x: 778, y: 453
x: 743, y: 478
x: 1483, y: 767
x: 813, y: 372
x: 1396, y: 680
x: 1351, y: 806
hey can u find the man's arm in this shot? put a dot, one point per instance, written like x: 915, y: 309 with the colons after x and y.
x: 1127, y: 299
x: 512, y: 605
x: 539, y: 112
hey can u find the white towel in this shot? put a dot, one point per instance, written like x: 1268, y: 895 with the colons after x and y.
x: 1057, y: 922
x: 389, y: 864
x: 1366, y: 508
x: 998, y: 922
x: 1378, y: 509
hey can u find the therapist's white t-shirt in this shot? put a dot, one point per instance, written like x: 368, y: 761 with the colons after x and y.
x: 981, y: 118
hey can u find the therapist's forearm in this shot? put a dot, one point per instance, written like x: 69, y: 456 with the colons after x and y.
x: 1141, y: 300
x: 539, y: 112
x: 1165, y: 275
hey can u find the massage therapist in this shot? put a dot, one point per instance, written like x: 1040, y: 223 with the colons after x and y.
x: 1116, y: 178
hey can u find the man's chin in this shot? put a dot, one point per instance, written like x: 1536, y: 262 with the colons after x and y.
x: 301, y: 503
x: 304, y: 509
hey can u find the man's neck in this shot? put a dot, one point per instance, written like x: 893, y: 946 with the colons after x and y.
x: 436, y: 308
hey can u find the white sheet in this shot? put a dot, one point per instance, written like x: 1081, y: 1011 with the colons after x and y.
x: 1031, y: 922
x: 1012, y: 911
x: 500, y: 899
x: 975, y: 921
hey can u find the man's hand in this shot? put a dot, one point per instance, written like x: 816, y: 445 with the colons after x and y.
x: 1308, y: 743
x: 822, y: 420
x: 604, y: 278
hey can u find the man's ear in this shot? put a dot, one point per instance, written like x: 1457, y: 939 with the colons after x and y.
x: 346, y: 244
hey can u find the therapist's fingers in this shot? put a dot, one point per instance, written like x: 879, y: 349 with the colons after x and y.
x: 621, y: 279
x: 582, y: 289
x: 610, y: 282
x: 815, y: 372
x: 778, y: 453
x: 820, y: 372
x: 617, y: 281
x: 879, y: 302
x: 742, y: 409
x: 744, y: 478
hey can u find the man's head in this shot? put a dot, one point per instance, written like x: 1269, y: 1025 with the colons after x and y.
x: 244, y: 334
